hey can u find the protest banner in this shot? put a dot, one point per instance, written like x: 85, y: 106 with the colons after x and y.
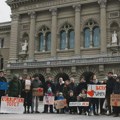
x: 85, y: 104
x: 3, y: 85
x: 12, y: 105
x: 59, y: 104
x: 48, y: 100
x: 37, y: 91
x: 96, y: 91
x: 115, y: 100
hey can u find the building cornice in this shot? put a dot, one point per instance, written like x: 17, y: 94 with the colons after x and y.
x: 5, y: 26
x: 17, y: 3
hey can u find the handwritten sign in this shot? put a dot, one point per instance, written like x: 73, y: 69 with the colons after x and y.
x: 79, y: 104
x: 12, y: 105
x: 96, y: 91
x: 59, y: 104
x: 115, y: 100
x: 37, y: 91
x: 48, y: 100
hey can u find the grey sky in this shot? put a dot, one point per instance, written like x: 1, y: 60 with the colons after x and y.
x: 4, y: 11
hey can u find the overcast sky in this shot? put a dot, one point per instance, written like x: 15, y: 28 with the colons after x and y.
x: 4, y: 11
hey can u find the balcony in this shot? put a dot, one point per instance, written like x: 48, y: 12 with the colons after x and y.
x: 97, y: 60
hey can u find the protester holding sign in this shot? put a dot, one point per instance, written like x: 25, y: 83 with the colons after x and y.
x: 82, y: 97
x: 27, y: 94
x: 3, y: 85
x: 59, y: 96
x: 36, y: 84
x: 94, y: 102
x: 72, y: 98
x: 49, y: 89
x: 116, y: 90
x: 109, y: 90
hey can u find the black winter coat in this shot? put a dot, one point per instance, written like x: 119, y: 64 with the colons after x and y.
x: 116, y: 88
x: 110, y: 85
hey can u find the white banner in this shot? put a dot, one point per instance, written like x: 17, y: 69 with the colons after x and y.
x: 96, y: 91
x: 79, y: 104
x: 12, y: 105
x: 48, y: 100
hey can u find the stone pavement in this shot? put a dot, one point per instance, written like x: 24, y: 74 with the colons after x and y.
x: 41, y: 116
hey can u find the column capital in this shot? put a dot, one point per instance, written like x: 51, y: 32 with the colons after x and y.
x: 15, y: 17
x: 77, y: 7
x: 32, y: 14
x: 102, y: 3
x: 53, y: 10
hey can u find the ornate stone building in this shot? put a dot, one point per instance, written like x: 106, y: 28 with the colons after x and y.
x: 66, y: 38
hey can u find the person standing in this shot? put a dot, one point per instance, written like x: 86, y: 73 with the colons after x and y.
x: 36, y: 84
x: 116, y: 90
x: 109, y: 90
x: 2, y: 81
x: 27, y: 94
x: 14, y: 89
x: 60, y: 85
x: 49, y: 90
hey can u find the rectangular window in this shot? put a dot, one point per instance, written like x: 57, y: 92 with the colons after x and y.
x: 1, y: 42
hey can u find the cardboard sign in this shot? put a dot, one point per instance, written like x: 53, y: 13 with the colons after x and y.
x: 37, y: 91
x: 115, y: 100
x: 85, y: 104
x: 96, y: 91
x: 3, y: 85
x: 59, y: 104
x: 48, y: 100
x: 12, y: 105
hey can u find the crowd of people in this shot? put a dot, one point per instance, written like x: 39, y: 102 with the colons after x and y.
x: 68, y: 89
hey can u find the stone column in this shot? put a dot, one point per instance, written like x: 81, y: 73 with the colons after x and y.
x: 103, y: 26
x: 13, y: 56
x: 32, y: 36
x: 44, y: 42
x: 91, y: 38
x: 54, y: 32
x: 77, y: 28
x: 66, y: 48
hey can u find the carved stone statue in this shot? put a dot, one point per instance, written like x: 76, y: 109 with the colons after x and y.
x: 24, y: 46
x: 114, y: 38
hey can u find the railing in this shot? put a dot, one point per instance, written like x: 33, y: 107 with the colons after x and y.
x: 65, y: 62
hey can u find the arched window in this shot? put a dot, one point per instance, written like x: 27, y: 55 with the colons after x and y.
x: 71, y: 39
x: 91, y: 34
x: 96, y: 37
x: 87, y: 37
x: 48, y: 41
x: 62, y: 40
x: 66, y: 37
x: 41, y: 43
x: 44, y: 39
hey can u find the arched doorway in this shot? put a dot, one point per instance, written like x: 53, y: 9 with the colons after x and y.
x: 63, y: 75
x: 87, y: 76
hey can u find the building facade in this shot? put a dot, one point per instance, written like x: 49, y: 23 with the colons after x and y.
x: 62, y: 38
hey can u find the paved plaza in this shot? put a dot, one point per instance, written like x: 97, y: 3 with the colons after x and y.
x: 41, y: 116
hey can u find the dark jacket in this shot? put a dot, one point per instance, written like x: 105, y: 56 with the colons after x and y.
x: 59, y: 87
x: 116, y: 88
x: 14, y: 89
x: 49, y: 84
x: 82, y: 85
x: 36, y: 83
x: 110, y: 85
